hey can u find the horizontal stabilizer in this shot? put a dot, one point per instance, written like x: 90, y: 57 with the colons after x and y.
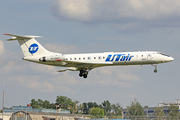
x: 18, y: 37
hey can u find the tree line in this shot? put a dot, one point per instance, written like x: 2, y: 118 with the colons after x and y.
x: 63, y: 102
x: 92, y: 108
x: 100, y: 110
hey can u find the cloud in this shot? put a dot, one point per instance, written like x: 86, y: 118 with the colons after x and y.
x: 130, y: 14
x: 37, y: 83
x: 128, y: 77
x: 105, y: 10
x: 62, y: 48
x: 115, y: 76
x: 2, y: 50
x: 50, y: 70
x: 68, y: 9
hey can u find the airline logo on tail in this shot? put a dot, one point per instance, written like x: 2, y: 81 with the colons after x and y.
x: 119, y: 57
x: 33, y: 48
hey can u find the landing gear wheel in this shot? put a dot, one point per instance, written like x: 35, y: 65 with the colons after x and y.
x: 83, y: 73
x: 80, y: 75
x: 85, y: 76
x: 155, y: 70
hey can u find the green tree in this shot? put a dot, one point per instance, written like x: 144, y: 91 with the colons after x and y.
x: 107, y: 107
x: 95, y: 105
x: 159, y: 113
x: 90, y: 105
x: 63, y: 101
x: 52, y: 106
x: 117, y: 109
x: 96, y: 112
x: 40, y: 102
x: 46, y: 104
x: 66, y: 103
x: 80, y: 107
x: 100, y: 106
x: 135, y: 109
x: 34, y: 104
x: 173, y: 111
x: 85, y: 109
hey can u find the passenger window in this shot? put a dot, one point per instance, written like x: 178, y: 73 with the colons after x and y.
x: 89, y: 58
x: 66, y: 58
x: 103, y: 57
x: 94, y: 57
x: 79, y: 58
x: 84, y: 58
x: 70, y: 58
x: 74, y: 58
x: 99, y: 57
x: 142, y: 55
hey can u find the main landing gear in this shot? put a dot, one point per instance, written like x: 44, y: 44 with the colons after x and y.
x: 83, y: 73
x: 155, y: 70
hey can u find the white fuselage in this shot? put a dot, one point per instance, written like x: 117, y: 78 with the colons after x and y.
x: 101, y: 59
x: 35, y: 52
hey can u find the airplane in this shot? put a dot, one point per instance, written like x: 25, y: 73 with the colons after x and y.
x: 34, y: 52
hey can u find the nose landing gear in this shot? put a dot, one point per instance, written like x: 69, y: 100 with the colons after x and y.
x: 155, y: 70
x: 83, y: 73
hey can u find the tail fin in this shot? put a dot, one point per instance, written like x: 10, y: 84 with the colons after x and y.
x: 29, y: 45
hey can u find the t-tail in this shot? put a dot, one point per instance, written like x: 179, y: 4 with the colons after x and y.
x: 29, y: 46
x: 34, y: 51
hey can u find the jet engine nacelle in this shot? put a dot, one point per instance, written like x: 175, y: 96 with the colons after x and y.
x: 52, y: 58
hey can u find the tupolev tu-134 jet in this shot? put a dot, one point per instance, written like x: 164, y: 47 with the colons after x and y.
x: 35, y: 52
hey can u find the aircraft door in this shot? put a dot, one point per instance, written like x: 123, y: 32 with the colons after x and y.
x: 149, y: 56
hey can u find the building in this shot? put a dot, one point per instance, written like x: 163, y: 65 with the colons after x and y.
x: 6, y: 116
x: 177, y: 103
x: 150, y: 111
x: 22, y: 115
x: 20, y: 111
x: 15, y: 109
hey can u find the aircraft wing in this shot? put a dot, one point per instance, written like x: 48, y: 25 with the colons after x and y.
x: 77, y: 66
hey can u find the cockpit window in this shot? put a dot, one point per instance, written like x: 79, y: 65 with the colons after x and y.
x: 163, y: 54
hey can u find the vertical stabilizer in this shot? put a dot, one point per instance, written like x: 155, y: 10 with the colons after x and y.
x: 29, y: 45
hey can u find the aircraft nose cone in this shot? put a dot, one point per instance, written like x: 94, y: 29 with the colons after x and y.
x: 171, y: 59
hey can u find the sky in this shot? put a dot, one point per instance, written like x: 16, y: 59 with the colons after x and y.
x: 89, y: 26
